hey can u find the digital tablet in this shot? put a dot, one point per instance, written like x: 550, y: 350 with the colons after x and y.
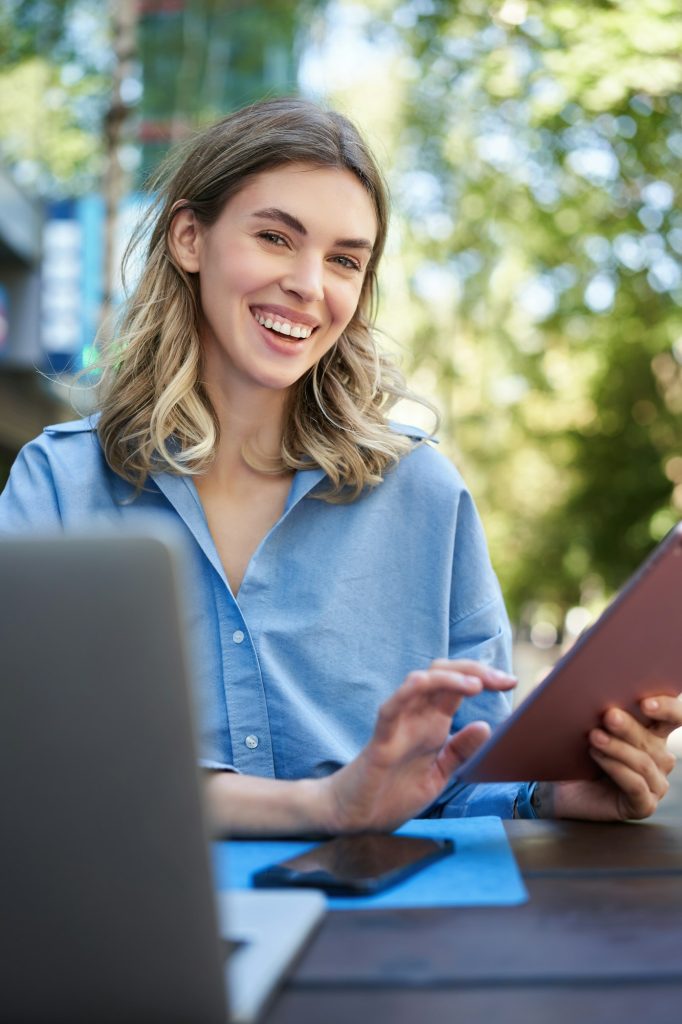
x: 633, y: 651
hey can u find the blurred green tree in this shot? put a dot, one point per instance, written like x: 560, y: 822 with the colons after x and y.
x: 193, y: 61
x: 534, y: 152
x: 54, y: 84
x: 536, y: 171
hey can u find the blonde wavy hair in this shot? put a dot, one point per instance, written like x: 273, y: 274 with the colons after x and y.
x: 155, y: 411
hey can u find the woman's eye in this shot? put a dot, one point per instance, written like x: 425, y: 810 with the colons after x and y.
x: 272, y: 237
x: 348, y: 262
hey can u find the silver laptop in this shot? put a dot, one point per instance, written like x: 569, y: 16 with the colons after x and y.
x: 107, y: 907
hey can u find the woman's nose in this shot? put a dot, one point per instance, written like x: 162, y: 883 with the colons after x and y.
x: 305, y: 277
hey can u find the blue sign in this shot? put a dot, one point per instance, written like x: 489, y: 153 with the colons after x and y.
x: 72, y: 276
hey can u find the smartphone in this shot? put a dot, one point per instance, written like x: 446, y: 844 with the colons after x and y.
x: 356, y: 865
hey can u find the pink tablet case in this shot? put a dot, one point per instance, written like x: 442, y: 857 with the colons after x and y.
x: 633, y: 651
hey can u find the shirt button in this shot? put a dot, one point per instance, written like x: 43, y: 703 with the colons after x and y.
x: 251, y: 742
x: 238, y: 636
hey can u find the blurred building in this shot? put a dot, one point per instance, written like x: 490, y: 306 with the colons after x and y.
x: 201, y: 58
x: 27, y: 400
x: 194, y: 60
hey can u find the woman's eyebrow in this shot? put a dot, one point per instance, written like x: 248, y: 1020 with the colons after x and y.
x: 273, y: 213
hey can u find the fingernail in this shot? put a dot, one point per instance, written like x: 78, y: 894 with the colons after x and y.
x: 600, y: 738
x: 615, y: 718
x: 651, y: 705
x: 499, y: 674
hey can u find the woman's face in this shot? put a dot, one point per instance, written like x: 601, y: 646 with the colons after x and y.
x: 280, y: 273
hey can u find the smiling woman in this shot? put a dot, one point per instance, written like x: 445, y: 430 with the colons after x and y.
x: 239, y: 231
x: 335, y: 553
x: 275, y: 299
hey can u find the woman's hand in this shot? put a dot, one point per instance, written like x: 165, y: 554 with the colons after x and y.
x: 411, y: 755
x: 402, y: 770
x: 635, y: 760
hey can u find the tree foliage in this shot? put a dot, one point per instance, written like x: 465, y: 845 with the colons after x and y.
x: 42, y: 137
x: 196, y: 60
x: 536, y: 171
x: 534, y: 275
x: 54, y: 84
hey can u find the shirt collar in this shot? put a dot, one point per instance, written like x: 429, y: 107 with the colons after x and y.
x: 409, y: 431
x: 89, y: 423
x: 182, y: 494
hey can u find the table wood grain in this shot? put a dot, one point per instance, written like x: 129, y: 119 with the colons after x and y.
x: 622, y: 1004
x: 599, y: 940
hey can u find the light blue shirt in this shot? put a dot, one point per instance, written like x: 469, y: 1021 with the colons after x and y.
x: 337, y: 605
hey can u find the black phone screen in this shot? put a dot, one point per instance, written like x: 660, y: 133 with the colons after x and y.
x: 356, y: 864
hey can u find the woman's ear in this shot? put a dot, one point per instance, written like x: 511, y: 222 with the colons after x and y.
x: 184, y: 240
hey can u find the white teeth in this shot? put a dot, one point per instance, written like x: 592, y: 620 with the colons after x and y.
x: 293, y: 330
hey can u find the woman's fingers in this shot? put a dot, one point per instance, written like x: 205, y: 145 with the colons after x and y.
x: 639, y: 793
x: 492, y: 678
x: 441, y: 689
x: 430, y: 681
x: 463, y: 745
x: 449, y: 679
x: 632, y: 758
x: 422, y: 708
x: 664, y: 712
x: 635, y: 759
x: 621, y: 726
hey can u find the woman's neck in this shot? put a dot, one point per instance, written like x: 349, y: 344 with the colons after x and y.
x: 251, y: 421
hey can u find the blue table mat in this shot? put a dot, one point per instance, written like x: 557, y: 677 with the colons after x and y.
x: 481, y: 872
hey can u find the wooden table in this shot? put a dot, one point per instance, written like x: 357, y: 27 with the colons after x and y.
x: 600, y: 940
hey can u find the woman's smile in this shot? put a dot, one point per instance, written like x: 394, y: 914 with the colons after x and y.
x: 282, y: 321
x: 288, y: 255
x: 279, y: 337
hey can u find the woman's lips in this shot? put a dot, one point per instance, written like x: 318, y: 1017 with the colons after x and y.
x: 296, y: 325
x: 281, y: 343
